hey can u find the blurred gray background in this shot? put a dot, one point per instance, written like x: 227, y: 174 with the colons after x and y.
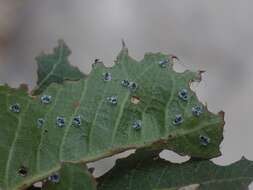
x: 216, y: 36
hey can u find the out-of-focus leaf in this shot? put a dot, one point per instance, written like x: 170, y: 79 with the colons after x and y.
x: 139, y: 172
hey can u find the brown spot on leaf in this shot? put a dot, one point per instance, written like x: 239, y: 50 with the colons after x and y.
x: 222, y: 115
x: 76, y: 104
x: 135, y: 100
x: 24, y: 87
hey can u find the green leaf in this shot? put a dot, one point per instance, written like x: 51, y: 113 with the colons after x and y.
x: 106, y: 128
x: 55, y: 67
x: 72, y: 176
x: 149, y: 172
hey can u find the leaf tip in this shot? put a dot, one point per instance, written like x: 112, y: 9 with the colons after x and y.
x: 62, y: 46
x: 124, y: 48
x: 123, y: 43
x: 244, y: 158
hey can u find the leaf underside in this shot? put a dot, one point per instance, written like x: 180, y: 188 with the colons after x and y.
x: 139, y: 172
x: 105, y: 128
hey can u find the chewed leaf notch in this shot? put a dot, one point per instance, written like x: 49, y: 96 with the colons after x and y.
x: 88, y: 118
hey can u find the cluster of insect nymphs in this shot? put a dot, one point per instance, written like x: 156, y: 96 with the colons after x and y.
x: 112, y: 100
x: 60, y: 121
x: 196, y: 111
x: 182, y: 94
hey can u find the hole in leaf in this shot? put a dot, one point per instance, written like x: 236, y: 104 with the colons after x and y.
x: 104, y: 165
x: 173, y: 157
x: 38, y: 185
x: 178, y: 66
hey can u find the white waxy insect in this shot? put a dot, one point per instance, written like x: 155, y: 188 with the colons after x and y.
x: 183, y: 94
x: 112, y: 100
x: 77, y: 121
x: 133, y: 86
x: 137, y: 124
x: 60, y: 121
x: 163, y: 63
x: 46, y: 99
x: 55, y: 178
x: 178, y: 119
x: 204, y: 140
x: 40, y: 122
x: 125, y: 83
x: 197, y: 110
x: 15, y: 108
x: 107, y: 76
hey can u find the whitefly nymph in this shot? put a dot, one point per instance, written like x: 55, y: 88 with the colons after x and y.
x: 107, y: 76
x: 178, y: 119
x: 55, y: 178
x: 112, y: 100
x: 60, y: 121
x: 204, y: 140
x: 197, y: 110
x: 46, y: 99
x: 133, y: 86
x: 137, y: 124
x: 183, y: 94
x: 15, y: 108
x: 40, y: 122
x: 164, y: 63
x: 125, y: 83
x: 76, y: 122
